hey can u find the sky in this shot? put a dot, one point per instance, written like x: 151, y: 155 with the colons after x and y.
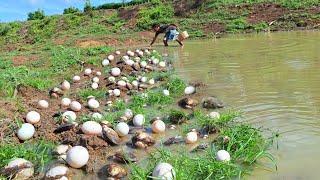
x: 12, y: 10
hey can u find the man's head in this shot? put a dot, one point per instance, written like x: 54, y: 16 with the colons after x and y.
x: 156, y: 27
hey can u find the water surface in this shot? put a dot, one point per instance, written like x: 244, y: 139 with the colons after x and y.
x: 274, y: 79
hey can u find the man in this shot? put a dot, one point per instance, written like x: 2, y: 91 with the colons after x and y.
x: 170, y: 31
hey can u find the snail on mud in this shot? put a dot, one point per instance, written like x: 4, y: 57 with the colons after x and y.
x: 138, y: 120
x: 93, y: 103
x: 58, y: 172
x: 191, y: 137
x: 212, y: 103
x: 158, y: 126
x: 75, y: 106
x: 189, y: 90
x: 43, y: 104
x: 33, y: 117
x: 223, y: 155
x: 122, y: 129
x: 69, y: 116
x: 26, y: 131
x: 65, y: 102
x: 188, y: 103
x: 87, y: 71
x: 65, y: 85
x: 91, y: 128
x: 116, y: 171
x: 115, y: 71
x: 105, y: 62
x: 76, y: 79
x: 164, y: 171
x: 19, y: 168
x: 77, y: 156
x: 142, y: 140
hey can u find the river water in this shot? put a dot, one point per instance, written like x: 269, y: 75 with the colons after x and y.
x: 274, y: 78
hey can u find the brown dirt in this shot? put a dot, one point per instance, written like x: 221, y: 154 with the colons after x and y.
x: 20, y: 60
x: 215, y: 27
x: 265, y: 12
x: 185, y: 7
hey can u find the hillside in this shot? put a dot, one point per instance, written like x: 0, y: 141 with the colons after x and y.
x: 62, y: 41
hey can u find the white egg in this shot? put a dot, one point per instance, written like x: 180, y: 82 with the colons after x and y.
x: 75, y: 106
x: 24, y: 173
x: 62, y: 149
x: 26, y: 131
x: 57, y: 171
x: 223, y: 155
x: 138, y: 120
x: 135, y: 83
x: 69, y: 116
x: 162, y: 64
x: 166, y: 92
x: 87, y: 72
x: 143, y: 79
x: 121, y: 83
x: 105, y: 62
x: 129, y: 62
x: 124, y: 78
x: 158, y: 126
x: 214, y: 115
x: 189, y: 90
x: 33, y: 117
x: 76, y: 78
x: 97, y: 115
x: 143, y: 64
x: 191, y: 137
x: 116, y: 92
x: 155, y: 61
x: 128, y: 113
x: 94, y: 85
x: 118, y: 52
x: 115, y: 71
x: 110, y: 92
x: 111, y: 79
x: 151, y: 81
x: 125, y: 58
x: 95, y: 79
x: 137, y: 50
x: 98, y: 73
x: 164, y: 171
x: 65, y: 85
x: 111, y: 57
x: 140, y: 53
x: 77, y: 156
x: 43, y: 104
x: 93, y: 104
x: 122, y: 129
x: 65, y: 102
x: 91, y: 128
x: 137, y: 59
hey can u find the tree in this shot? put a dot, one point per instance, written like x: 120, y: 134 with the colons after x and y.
x: 38, y: 14
x: 71, y: 10
x: 88, y: 7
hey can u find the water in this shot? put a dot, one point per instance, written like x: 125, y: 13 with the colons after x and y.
x: 274, y: 79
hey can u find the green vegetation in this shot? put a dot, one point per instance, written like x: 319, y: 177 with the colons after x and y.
x: 245, y: 146
x: 36, y: 15
x: 71, y: 10
x: 39, y: 153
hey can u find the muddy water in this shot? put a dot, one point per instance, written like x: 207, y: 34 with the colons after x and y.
x: 274, y: 79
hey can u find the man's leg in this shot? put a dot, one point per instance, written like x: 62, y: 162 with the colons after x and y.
x: 165, y: 42
x: 181, y: 44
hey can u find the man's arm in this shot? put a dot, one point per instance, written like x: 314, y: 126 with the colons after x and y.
x: 154, y: 39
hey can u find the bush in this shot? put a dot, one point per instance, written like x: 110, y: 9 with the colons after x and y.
x: 88, y: 7
x: 38, y: 14
x: 4, y: 29
x: 71, y: 10
x: 160, y: 13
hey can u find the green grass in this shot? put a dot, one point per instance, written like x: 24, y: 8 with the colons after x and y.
x: 176, y: 86
x: 39, y: 153
x: 97, y: 93
x: 245, y: 146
